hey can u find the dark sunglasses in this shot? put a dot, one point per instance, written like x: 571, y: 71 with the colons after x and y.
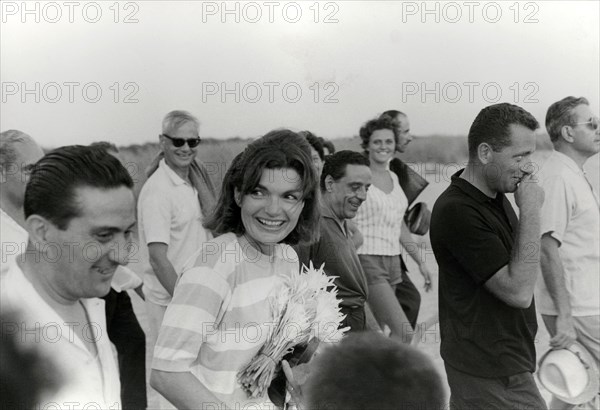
x: 180, y: 142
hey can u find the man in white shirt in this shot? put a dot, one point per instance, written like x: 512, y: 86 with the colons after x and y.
x: 18, y: 154
x: 79, y: 213
x: 568, y: 297
x: 123, y: 328
x: 170, y: 216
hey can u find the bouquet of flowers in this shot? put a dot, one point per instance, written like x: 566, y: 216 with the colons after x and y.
x: 304, y: 308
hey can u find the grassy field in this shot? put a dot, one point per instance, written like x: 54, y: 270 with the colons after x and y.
x: 217, y: 154
x: 449, y: 155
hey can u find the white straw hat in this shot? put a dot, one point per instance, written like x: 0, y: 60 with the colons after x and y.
x: 569, y: 374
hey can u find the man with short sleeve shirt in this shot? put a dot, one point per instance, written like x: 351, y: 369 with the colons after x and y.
x: 569, y: 297
x: 488, y: 265
x: 170, y: 217
x: 77, y: 197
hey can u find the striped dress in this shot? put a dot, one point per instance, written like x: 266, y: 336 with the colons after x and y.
x: 379, y: 219
x: 220, y: 315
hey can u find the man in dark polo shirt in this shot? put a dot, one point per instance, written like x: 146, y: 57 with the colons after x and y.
x: 345, y: 179
x: 488, y: 263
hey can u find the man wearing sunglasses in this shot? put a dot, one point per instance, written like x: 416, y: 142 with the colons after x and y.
x: 568, y: 294
x: 171, y: 206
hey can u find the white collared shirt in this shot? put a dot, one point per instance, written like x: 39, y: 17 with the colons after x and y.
x: 85, y: 380
x: 13, y: 241
x: 168, y: 212
x: 571, y: 214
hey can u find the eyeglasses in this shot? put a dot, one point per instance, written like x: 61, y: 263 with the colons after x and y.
x: 592, y: 124
x: 180, y: 142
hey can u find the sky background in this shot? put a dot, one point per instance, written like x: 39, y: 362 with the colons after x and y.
x: 327, y: 67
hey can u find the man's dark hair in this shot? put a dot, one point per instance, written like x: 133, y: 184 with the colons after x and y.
x: 393, y: 114
x: 560, y: 114
x: 492, y: 126
x: 369, y: 371
x: 106, y: 146
x: 335, y: 164
x: 381, y: 123
x: 51, y: 190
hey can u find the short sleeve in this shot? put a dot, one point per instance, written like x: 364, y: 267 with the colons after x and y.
x: 155, y: 214
x: 195, y: 312
x: 473, y: 243
x: 556, y: 210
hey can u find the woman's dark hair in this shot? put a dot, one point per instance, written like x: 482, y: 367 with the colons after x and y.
x: 381, y: 123
x: 278, y: 149
x: 327, y: 144
x: 314, y: 142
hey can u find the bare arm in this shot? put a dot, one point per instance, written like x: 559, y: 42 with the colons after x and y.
x: 164, y: 270
x: 514, y: 283
x: 388, y: 312
x: 184, y: 390
x: 554, y: 277
x: 409, y: 244
x: 412, y: 248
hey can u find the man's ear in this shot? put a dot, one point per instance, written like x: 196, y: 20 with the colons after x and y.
x: 329, y: 183
x: 484, y: 152
x: 38, y: 228
x: 161, y: 142
x: 566, y: 133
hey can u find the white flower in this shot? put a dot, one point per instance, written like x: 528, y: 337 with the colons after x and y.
x: 304, y: 307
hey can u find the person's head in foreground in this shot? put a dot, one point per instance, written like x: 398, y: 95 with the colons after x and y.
x: 345, y: 180
x: 369, y: 371
x: 501, y: 141
x: 269, y: 193
x: 573, y: 128
x: 18, y: 154
x: 80, y: 211
x: 379, y: 139
x: 400, y: 120
x: 27, y: 374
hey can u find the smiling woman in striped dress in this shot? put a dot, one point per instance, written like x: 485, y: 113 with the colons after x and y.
x: 220, y: 314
